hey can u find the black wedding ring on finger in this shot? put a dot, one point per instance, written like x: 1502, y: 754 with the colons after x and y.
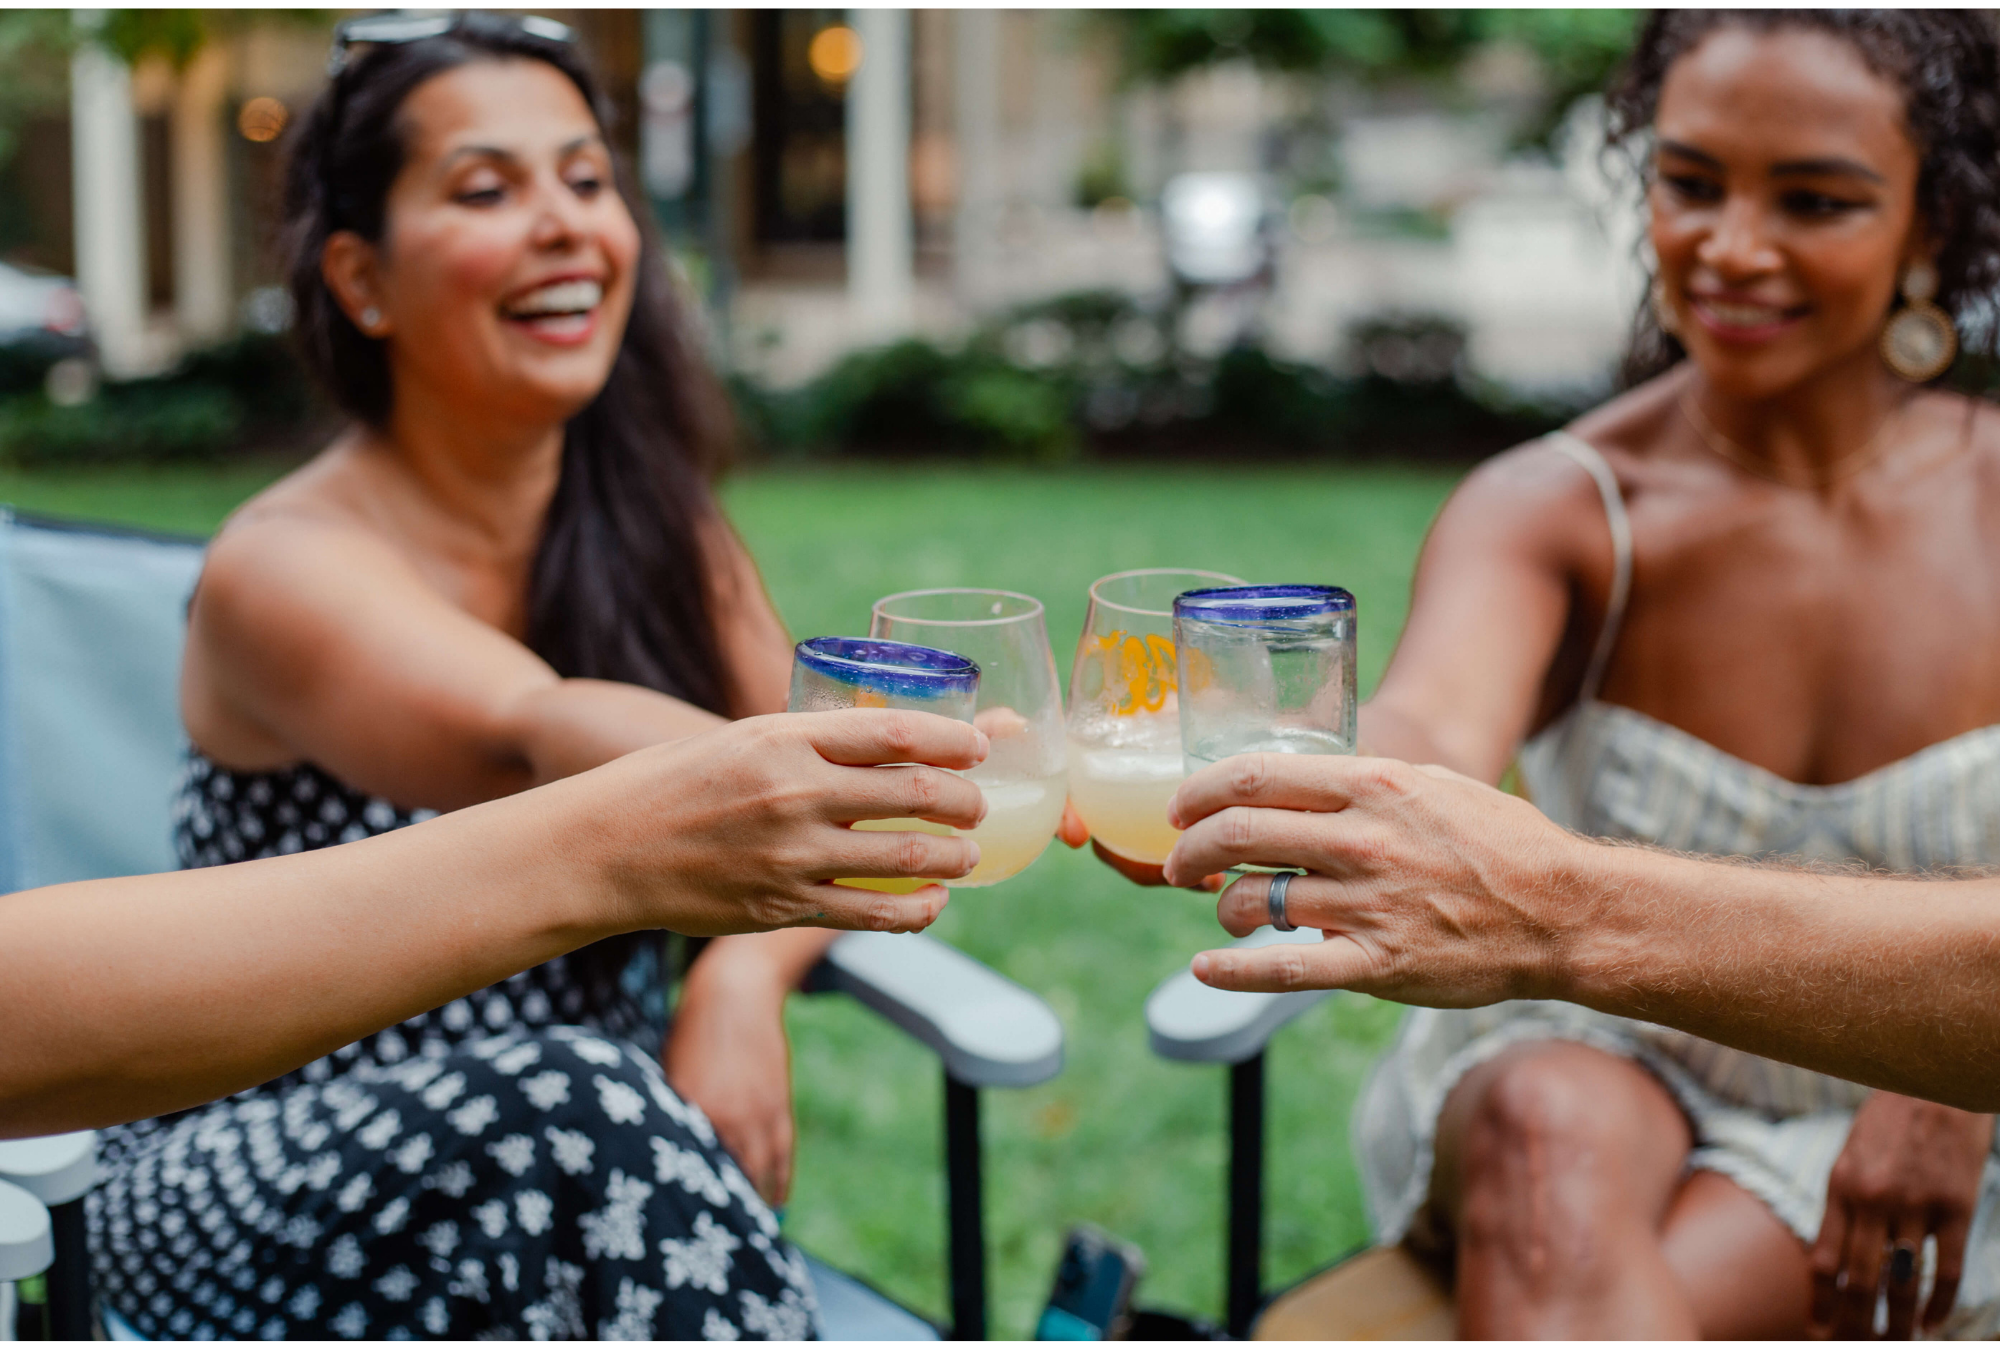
x: 1903, y: 1262
x: 1275, y: 900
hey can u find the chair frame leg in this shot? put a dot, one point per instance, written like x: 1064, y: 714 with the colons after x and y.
x: 70, y: 1314
x: 1244, y: 1271
x: 965, y: 1210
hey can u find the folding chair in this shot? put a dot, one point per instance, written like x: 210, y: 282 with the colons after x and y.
x: 27, y: 1247
x: 91, y: 626
x: 58, y: 1171
x: 1378, y: 1294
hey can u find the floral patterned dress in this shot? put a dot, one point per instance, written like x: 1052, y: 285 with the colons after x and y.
x: 511, y: 1165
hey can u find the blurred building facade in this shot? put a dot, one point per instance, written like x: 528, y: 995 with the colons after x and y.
x: 838, y: 178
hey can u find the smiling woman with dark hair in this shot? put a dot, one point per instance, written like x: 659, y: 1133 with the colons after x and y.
x: 1747, y: 607
x: 510, y: 569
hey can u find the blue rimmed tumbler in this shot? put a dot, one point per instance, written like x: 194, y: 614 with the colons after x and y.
x: 1265, y: 669
x: 829, y: 673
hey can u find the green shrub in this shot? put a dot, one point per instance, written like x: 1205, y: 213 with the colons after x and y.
x: 1021, y: 412
x: 260, y: 371
x: 238, y: 395
x: 170, y: 423
x: 1095, y: 373
x: 915, y: 397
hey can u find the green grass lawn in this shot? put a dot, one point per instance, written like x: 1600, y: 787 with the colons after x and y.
x: 1120, y: 1138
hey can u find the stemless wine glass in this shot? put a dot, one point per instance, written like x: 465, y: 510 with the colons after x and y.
x: 830, y: 673
x: 1124, y: 716
x: 1020, y: 710
x: 1265, y: 668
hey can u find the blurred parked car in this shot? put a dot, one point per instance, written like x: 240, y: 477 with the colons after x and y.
x: 44, y: 336
x: 42, y: 312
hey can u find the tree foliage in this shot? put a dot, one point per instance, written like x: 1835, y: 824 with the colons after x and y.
x: 1577, y: 48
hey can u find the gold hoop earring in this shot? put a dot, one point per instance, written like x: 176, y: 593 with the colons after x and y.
x: 1663, y: 309
x: 1920, y: 341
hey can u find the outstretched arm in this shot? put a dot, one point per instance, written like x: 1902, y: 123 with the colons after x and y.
x: 1520, y: 545
x: 139, y: 995
x: 1436, y: 890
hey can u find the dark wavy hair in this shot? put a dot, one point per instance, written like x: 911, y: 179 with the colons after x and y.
x: 620, y: 589
x: 1947, y: 64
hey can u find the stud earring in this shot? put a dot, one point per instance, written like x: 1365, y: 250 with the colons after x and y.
x: 1919, y: 342
x: 371, y: 319
x: 1663, y: 309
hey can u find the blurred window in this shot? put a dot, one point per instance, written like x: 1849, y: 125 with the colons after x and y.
x: 156, y: 171
x: 800, y: 60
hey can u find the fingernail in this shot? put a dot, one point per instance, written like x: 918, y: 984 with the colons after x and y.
x: 1200, y: 966
x: 975, y: 853
x: 984, y: 744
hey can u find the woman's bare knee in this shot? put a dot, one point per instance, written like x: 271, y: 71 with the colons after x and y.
x: 1560, y: 1134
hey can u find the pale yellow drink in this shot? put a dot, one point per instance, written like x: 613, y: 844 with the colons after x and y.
x: 1122, y: 794
x: 893, y: 885
x: 1021, y: 818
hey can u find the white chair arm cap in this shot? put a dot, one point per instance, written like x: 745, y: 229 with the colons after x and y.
x: 55, y: 1168
x: 1186, y: 1019
x: 27, y: 1242
x: 989, y: 1031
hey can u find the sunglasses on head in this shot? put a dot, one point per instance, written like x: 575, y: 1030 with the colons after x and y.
x: 393, y: 28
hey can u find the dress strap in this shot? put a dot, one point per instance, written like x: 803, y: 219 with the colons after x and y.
x: 1592, y: 462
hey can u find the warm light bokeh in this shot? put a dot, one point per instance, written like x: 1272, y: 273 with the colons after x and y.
x: 835, y: 54
x: 262, y: 119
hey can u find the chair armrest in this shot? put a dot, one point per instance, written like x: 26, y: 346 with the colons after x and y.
x: 1186, y: 1019
x: 55, y: 1169
x: 27, y: 1240
x: 989, y: 1031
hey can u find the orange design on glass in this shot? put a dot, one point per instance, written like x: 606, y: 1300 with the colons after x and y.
x: 1138, y: 672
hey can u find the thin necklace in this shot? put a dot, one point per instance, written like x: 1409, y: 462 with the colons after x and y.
x: 1720, y: 445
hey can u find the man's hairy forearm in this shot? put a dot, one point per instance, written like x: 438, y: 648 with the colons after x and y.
x: 1892, y: 982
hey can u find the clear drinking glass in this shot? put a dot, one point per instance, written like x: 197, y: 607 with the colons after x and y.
x: 1265, y: 668
x: 1124, y: 717
x: 830, y: 673
x: 1020, y: 710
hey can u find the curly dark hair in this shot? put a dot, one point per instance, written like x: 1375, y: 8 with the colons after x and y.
x: 1947, y: 64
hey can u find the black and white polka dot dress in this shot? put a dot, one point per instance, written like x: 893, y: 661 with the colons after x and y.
x: 511, y: 1165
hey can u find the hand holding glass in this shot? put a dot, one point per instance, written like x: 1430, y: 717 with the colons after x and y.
x: 1019, y: 709
x: 1265, y: 670
x: 833, y: 672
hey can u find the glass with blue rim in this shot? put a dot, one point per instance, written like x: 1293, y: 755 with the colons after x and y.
x: 1265, y: 670
x: 830, y: 673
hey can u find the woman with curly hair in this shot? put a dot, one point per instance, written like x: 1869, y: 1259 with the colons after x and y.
x: 1746, y: 607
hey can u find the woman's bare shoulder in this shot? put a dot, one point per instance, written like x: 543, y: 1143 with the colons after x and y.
x: 1538, y: 500
x: 1967, y: 431
x: 308, y: 535
x: 1627, y: 427
x: 323, y: 491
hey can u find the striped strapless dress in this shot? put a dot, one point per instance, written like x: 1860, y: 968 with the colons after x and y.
x: 1609, y: 771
